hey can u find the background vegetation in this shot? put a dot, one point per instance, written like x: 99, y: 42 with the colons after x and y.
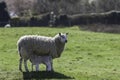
x: 26, y: 7
x: 65, y: 12
x: 87, y: 56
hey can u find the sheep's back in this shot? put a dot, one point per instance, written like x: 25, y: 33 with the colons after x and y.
x: 36, y: 44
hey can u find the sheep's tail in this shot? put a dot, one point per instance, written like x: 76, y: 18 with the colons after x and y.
x: 19, y: 50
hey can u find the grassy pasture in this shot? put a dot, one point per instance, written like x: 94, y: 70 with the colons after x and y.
x: 87, y: 56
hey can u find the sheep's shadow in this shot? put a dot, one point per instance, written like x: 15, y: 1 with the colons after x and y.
x: 44, y: 75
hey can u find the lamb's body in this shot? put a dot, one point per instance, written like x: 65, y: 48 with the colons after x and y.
x: 36, y: 60
x: 40, y: 45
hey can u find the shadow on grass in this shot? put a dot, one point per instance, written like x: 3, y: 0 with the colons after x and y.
x: 44, y: 75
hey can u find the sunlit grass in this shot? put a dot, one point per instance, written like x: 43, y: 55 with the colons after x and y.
x: 87, y: 56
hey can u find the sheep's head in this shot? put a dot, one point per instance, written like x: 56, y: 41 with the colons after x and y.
x: 60, y: 40
x: 63, y: 37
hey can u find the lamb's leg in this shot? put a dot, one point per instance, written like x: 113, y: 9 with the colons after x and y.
x: 37, y: 67
x: 20, y: 64
x: 52, y: 65
x: 49, y: 64
x: 25, y: 65
x: 51, y: 60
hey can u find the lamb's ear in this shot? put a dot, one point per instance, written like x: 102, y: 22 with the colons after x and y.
x: 59, y: 34
x: 66, y: 33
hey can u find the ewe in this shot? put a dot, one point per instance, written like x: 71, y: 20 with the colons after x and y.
x: 40, y: 45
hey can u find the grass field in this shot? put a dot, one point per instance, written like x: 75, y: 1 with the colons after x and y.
x: 87, y: 56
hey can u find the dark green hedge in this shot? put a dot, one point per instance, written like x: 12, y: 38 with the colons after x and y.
x: 42, y: 20
x: 112, y: 17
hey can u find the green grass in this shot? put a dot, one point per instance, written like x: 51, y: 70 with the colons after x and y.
x: 87, y: 56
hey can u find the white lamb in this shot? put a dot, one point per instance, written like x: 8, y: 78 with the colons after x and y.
x: 36, y: 60
x: 40, y: 45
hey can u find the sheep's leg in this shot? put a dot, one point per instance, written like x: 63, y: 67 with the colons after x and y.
x: 25, y: 65
x: 37, y: 67
x: 32, y: 67
x: 48, y: 66
x: 20, y: 64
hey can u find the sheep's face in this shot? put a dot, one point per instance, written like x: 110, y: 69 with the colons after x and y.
x: 63, y: 37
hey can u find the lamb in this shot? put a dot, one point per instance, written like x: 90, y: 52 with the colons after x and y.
x: 40, y: 45
x: 36, y: 60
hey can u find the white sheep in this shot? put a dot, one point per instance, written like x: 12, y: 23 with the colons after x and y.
x: 7, y: 26
x: 40, y: 45
x: 36, y: 60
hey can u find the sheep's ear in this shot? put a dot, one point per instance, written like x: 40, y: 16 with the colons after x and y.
x: 59, y: 34
x: 66, y: 33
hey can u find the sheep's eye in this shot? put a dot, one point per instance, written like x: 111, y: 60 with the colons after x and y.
x: 63, y: 36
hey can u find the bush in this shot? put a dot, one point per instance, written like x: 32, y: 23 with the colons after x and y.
x: 4, y: 16
x: 112, y: 17
x: 40, y: 20
x: 18, y: 22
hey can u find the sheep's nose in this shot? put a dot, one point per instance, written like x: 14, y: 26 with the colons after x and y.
x: 66, y: 41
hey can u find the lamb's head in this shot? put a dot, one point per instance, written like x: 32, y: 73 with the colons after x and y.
x: 61, y: 38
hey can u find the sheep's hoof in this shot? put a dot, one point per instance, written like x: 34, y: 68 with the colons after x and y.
x: 27, y: 70
x: 52, y: 70
x: 20, y: 70
x: 37, y: 70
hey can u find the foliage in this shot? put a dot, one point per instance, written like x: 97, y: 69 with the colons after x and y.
x: 106, y: 5
x: 23, y: 7
x: 112, y: 17
x: 40, y: 20
x: 4, y: 15
x: 87, y: 56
